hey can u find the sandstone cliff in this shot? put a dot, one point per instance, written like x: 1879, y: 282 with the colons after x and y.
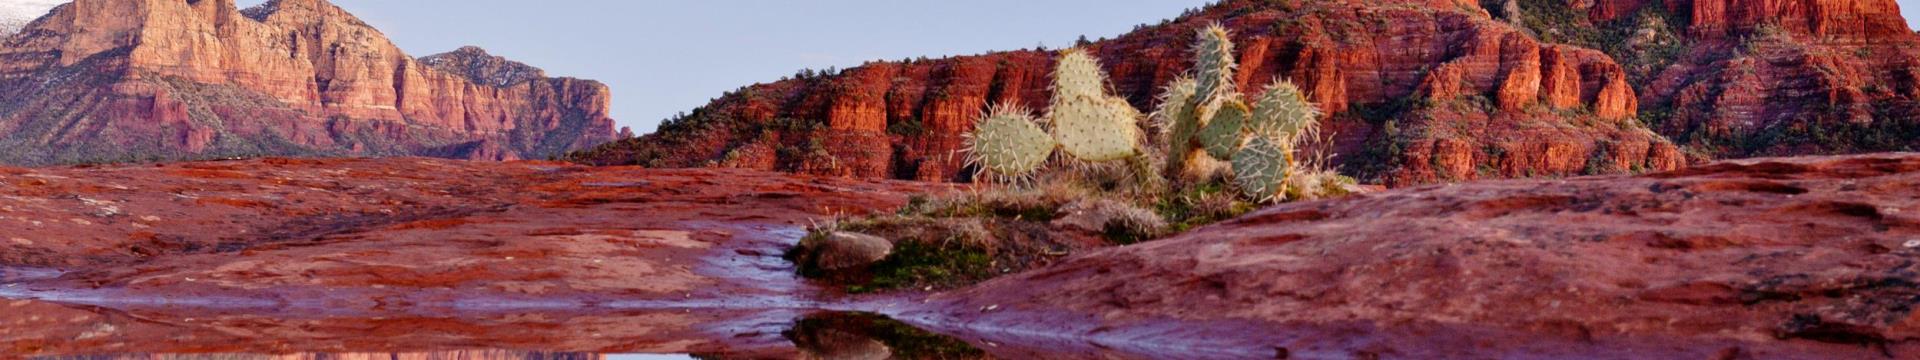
x: 109, y: 80
x: 1737, y: 78
x: 1419, y: 91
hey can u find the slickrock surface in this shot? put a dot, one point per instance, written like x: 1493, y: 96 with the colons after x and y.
x: 40, y: 330
x: 117, y: 80
x: 1768, y: 258
x: 1469, y: 97
x: 323, y: 258
x: 376, y: 233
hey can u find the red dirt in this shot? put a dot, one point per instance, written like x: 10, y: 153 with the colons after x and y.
x: 1767, y: 258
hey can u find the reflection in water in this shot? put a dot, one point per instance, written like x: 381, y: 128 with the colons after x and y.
x: 40, y: 330
x: 868, y: 336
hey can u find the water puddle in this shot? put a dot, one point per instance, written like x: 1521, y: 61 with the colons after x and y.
x: 43, y: 330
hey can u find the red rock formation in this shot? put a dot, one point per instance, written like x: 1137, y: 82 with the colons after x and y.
x: 109, y: 79
x: 1766, y: 258
x: 904, y: 120
x: 1762, y: 77
x: 1855, y: 20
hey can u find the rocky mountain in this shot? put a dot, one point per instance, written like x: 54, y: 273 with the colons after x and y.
x: 1418, y: 92
x: 1739, y: 78
x: 116, y: 80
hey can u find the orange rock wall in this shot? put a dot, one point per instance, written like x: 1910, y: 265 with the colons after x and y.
x: 313, y: 58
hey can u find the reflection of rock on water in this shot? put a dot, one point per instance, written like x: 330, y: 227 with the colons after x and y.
x: 867, y: 336
x: 842, y: 345
x: 428, y: 355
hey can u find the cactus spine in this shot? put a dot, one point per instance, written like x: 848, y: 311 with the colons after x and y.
x: 1007, y: 145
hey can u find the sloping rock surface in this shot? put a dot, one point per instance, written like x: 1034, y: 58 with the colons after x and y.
x: 1766, y: 258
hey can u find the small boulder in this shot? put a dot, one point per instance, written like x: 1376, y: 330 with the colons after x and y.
x: 842, y: 250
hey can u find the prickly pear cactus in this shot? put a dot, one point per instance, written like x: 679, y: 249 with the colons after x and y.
x: 1078, y: 74
x: 1213, y: 64
x: 1222, y: 135
x: 1173, y: 109
x: 1091, y: 125
x: 1007, y: 143
x: 1284, y: 113
x: 1095, y: 129
x: 1178, y: 122
x: 1261, y: 168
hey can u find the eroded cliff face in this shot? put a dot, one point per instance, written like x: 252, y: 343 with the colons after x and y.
x: 1755, y: 78
x: 165, y: 79
x: 1417, y: 92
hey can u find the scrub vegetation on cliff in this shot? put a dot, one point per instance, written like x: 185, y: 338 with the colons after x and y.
x: 1503, y: 103
x: 1092, y: 172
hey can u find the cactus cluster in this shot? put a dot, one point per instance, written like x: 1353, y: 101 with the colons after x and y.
x: 1205, y: 119
x: 1087, y: 122
x: 1207, y: 113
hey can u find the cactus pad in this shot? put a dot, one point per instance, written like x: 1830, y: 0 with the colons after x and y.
x: 1213, y: 63
x: 1284, y: 113
x: 1078, y: 74
x: 1222, y: 136
x: 1095, y: 129
x: 1261, y: 168
x: 1006, y: 143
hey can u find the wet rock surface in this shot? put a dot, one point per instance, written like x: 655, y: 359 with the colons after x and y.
x: 1768, y: 258
x: 1765, y: 258
x: 352, y: 231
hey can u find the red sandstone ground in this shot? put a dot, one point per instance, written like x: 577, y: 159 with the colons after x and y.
x: 281, y: 228
x: 1768, y: 258
x: 284, y: 255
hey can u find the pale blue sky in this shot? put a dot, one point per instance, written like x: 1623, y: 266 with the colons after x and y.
x: 662, y: 57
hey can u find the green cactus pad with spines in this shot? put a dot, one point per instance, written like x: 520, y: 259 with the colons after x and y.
x: 1095, y: 129
x: 1283, y: 112
x: 1222, y: 135
x: 1177, y: 122
x: 1213, y: 64
x: 1175, y: 107
x: 1078, y: 74
x: 1007, y: 143
x: 1261, y: 168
